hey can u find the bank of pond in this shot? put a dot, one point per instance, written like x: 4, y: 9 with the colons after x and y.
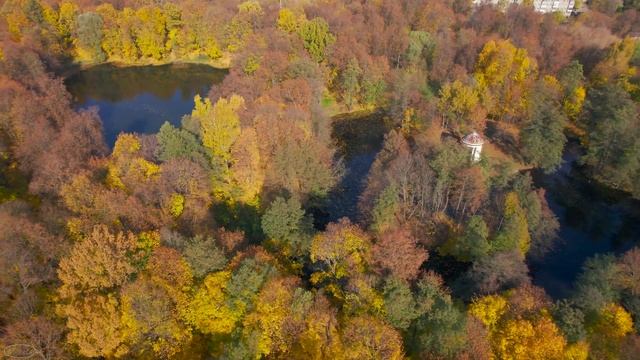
x: 593, y: 219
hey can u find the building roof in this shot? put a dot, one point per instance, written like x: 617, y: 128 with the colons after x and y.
x: 473, y: 139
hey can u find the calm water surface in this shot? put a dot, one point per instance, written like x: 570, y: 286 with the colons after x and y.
x: 141, y: 99
x: 592, y: 219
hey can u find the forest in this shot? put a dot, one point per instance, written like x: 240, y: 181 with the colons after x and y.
x: 217, y: 237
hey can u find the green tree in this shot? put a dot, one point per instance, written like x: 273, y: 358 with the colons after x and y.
x: 610, y: 119
x: 351, y: 83
x: 317, y: 38
x: 176, y: 143
x: 441, y: 327
x: 543, y: 136
x: 385, y: 208
x: 89, y: 37
x: 472, y: 244
x: 513, y: 233
x: 204, y: 256
x: 420, y: 48
x: 572, y: 79
x: 400, y: 306
x: 286, y: 226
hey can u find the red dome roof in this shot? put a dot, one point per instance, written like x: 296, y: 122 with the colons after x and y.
x: 473, y: 139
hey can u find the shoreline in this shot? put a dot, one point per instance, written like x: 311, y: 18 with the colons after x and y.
x: 67, y: 71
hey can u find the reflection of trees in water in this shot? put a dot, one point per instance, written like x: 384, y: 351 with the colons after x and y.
x: 358, y: 138
x: 600, y: 213
x: 111, y: 83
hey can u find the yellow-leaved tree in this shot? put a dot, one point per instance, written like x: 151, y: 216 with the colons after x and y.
x: 341, y: 251
x: 268, y: 317
x: 208, y: 310
x: 489, y: 309
x: 520, y: 329
x: 219, y: 124
x: 458, y: 104
x: 607, y: 330
x: 95, y: 325
x: 247, y: 173
x: 503, y: 74
x: 126, y: 166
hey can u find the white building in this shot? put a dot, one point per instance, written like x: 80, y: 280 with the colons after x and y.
x: 566, y: 7
x: 474, y: 142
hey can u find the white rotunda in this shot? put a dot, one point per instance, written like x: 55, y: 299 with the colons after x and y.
x: 474, y: 142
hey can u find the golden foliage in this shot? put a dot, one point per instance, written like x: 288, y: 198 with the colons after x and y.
x: 95, y: 326
x: 502, y: 71
x: 99, y: 261
x: 208, y: 310
x: 489, y: 309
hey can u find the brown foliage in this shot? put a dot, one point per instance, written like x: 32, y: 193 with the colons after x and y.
x: 99, y: 261
x: 397, y: 254
x: 630, y: 271
x: 35, y: 337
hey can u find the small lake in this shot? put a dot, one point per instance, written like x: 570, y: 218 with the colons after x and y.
x: 140, y: 99
x: 592, y: 219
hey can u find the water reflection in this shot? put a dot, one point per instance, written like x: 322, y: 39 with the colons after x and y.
x: 593, y: 219
x: 141, y: 99
x: 358, y: 138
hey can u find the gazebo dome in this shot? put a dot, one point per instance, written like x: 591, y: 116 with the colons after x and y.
x: 473, y: 139
x: 474, y: 142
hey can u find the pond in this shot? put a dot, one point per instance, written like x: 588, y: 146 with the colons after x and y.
x: 140, y: 99
x: 592, y: 219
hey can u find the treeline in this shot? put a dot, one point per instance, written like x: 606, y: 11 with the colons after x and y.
x: 199, y: 241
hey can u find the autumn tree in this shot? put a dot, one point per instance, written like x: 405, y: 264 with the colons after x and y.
x: 95, y: 325
x: 607, y: 331
x: 101, y: 260
x: 368, y: 337
x: 497, y: 272
x: 207, y: 311
x: 219, y: 124
x: 503, y: 73
x: 34, y: 337
x: 338, y: 253
x: 513, y: 334
x: 150, y: 318
x: 396, y: 253
x: 458, y: 104
x: 268, y: 320
x: 151, y: 32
